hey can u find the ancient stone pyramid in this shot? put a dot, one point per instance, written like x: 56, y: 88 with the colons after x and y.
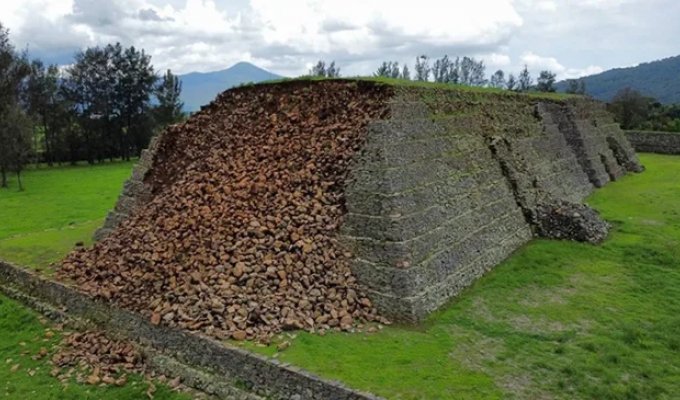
x: 321, y: 204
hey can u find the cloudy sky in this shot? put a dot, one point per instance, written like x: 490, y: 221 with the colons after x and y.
x: 569, y: 37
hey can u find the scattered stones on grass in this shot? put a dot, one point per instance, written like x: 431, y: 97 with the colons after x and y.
x: 238, y: 239
x: 93, y: 358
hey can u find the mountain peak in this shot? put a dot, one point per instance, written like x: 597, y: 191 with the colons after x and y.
x: 200, y: 88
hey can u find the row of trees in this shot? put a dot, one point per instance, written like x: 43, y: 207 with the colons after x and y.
x: 634, y: 111
x: 106, y: 105
x: 466, y: 71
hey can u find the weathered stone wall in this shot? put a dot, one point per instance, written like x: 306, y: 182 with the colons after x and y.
x: 450, y: 186
x: 655, y: 142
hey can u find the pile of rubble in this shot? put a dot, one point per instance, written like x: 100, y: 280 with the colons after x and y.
x: 569, y: 221
x: 92, y: 358
x: 239, y: 237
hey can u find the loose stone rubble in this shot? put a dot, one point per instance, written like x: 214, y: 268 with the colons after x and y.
x: 238, y: 237
x: 571, y: 221
x: 90, y: 357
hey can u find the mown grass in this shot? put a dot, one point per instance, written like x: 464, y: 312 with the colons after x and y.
x: 22, y: 335
x: 58, y: 208
x: 558, y: 320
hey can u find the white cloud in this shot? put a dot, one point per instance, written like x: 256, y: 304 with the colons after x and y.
x: 497, y: 60
x: 534, y: 62
x: 200, y: 34
x: 546, y: 5
x: 537, y: 63
x: 286, y: 36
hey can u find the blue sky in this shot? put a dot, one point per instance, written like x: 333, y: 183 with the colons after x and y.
x: 570, y: 37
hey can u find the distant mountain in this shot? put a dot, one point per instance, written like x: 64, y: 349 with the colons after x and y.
x: 657, y: 79
x: 199, y: 88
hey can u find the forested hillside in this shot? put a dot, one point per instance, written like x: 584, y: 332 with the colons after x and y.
x: 657, y: 79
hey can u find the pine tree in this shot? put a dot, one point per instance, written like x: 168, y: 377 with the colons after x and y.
x: 511, y: 84
x: 498, y: 80
x: 546, y: 82
x: 15, y: 135
x: 168, y: 92
x: 333, y: 71
x: 13, y: 69
x: 319, y: 70
x: 525, y: 82
x: 422, y: 69
x: 405, y: 73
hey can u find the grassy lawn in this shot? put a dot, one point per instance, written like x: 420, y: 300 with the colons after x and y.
x: 60, y: 207
x: 558, y: 320
x: 22, y: 335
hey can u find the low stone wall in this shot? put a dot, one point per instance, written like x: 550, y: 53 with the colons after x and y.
x: 655, y: 141
x: 235, y: 366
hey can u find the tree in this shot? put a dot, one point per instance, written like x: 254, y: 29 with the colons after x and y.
x: 472, y: 72
x: 323, y: 71
x: 110, y: 89
x: 441, y: 69
x: 511, y: 84
x: 497, y: 80
x: 546, y: 82
x: 576, y: 86
x: 90, y: 86
x: 13, y: 69
x: 388, y: 69
x: 384, y: 69
x: 15, y: 137
x: 134, y: 86
x: 44, y: 103
x: 478, y: 75
x: 319, y: 70
x: 630, y: 108
x: 405, y: 73
x: 454, y: 71
x: 168, y: 92
x: 525, y: 82
x: 422, y: 69
x: 333, y: 71
x: 465, y: 71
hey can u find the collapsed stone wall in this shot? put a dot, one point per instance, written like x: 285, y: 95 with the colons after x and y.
x: 135, y: 191
x: 236, y: 235
x: 655, y: 141
x: 444, y: 185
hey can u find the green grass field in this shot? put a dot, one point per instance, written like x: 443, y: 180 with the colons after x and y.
x: 558, y: 320
x: 22, y: 335
x: 60, y: 207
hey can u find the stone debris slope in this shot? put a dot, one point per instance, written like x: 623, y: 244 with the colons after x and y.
x: 238, y: 238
